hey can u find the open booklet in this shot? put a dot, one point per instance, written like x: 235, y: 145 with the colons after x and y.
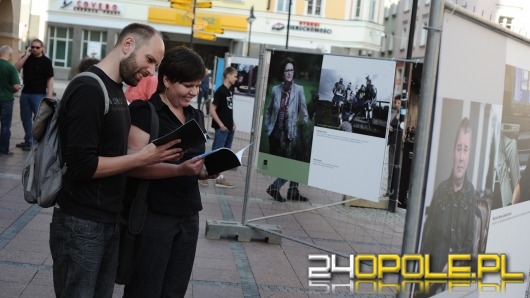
x: 222, y: 159
x: 190, y: 135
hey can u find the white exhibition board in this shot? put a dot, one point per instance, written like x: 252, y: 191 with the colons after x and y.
x: 482, y: 76
x: 323, y: 154
x: 351, y: 163
x: 244, y: 101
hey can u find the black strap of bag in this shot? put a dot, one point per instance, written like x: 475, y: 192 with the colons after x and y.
x: 139, y: 204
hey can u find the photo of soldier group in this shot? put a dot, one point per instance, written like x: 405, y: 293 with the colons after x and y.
x: 246, y: 79
x: 349, y: 101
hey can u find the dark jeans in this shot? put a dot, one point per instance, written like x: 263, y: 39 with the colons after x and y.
x: 6, y: 115
x: 29, y: 105
x: 223, y: 139
x: 203, y: 95
x: 85, y: 256
x: 165, y: 254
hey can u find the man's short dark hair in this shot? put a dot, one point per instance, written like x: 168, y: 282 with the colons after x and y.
x: 180, y: 64
x: 284, y: 63
x: 39, y: 41
x: 229, y: 70
x: 142, y: 33
x: 464, y: 127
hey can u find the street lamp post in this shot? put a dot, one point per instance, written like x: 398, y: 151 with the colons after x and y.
x: 288, y: 25
x: 251, y: 18
x: 192, y: 23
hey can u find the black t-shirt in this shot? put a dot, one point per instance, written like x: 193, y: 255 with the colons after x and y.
x: 176, y: 195
x: 223, y: 100
x: 37, y: 71
x: 85, y: 134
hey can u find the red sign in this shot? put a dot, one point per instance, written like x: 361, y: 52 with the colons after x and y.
x: 96, y: 7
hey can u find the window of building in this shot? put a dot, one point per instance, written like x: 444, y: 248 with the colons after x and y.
x: 399, y: 81
x: 394, y: 7
x: 94, y: 44
x: 423, y: 38
x: 427, y: 2
x: 406, y: 5
x: 314, y: 7
x: 372, y: 10
x: 506, y: 22
x: 283, y: 5
x: 358, y: 9
x: 403, y: 43
x: 387, y: 12
x: 60, y: 46
x: 391, y: 43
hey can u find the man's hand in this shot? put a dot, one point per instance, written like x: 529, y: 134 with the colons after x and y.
x: 151, y: 154
x: 28, y: 51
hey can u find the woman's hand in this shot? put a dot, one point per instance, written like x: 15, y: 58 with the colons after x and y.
x: 191, y: 167
x: 203, y: 174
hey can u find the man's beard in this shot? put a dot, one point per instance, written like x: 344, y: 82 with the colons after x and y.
x: 128, y: 70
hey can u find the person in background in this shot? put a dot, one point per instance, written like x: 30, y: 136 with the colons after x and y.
x: 165, y: 249
x: 143, y: 91
x: 286, y: 107
x: 9, y: 84
x: 85, y: 228
x: 204, y: 92
x: 223, y: 117
x: 86, y: 63
x: 392, y: 135
x: 38, y: 83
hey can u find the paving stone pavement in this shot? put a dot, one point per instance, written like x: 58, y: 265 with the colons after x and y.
x: 222, y: 268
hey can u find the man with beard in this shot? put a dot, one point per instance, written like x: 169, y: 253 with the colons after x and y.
x: 84, y: 233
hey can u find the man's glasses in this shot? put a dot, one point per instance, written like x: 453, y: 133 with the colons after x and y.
x: 34, y: 47
x: 289, y: 70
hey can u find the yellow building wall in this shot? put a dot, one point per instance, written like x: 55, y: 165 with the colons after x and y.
x: 335, y: 9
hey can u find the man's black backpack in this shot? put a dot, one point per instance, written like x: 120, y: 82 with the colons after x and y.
x: 43, y: 171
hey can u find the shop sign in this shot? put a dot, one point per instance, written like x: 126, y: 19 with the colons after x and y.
x: 99, y: 7
x: 313, y: 27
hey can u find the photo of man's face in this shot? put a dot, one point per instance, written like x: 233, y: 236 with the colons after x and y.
x: 461, y: 154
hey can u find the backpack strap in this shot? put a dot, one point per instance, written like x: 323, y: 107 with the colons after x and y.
x: 97, y: 78
x: 139, y: 204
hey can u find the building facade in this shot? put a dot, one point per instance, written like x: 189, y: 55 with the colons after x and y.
x: 9, y: 20
x: 397, y: 20
x: 74, y: 29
